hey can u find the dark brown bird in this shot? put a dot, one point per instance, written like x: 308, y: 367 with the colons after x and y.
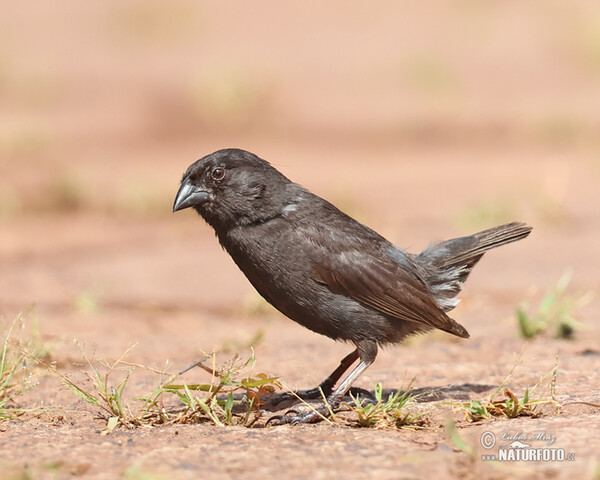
x: 325, y: 270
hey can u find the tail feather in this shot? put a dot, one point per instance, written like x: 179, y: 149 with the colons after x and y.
x: 446, y: 265
x: 461, y: 251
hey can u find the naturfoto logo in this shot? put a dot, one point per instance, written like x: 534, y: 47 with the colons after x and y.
x: 519, y: 447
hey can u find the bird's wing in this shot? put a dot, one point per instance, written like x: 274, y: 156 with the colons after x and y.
x: 379, y: 282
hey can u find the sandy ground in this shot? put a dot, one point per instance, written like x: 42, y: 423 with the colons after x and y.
x: 424, y: 122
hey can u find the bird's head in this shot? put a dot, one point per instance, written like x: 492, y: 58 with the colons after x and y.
x: 232, y: 187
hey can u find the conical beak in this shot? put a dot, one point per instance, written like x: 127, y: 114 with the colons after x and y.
x: 189, y: 196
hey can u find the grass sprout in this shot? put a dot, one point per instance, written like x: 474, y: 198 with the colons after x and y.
x: 555, y: 313
x: 228, y: 399
x: 531, y: 404
x: 15, y: 376
x: 387, y: 412
x: 233, y: 396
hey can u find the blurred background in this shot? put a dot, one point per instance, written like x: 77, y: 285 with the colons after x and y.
x: 424, y: 120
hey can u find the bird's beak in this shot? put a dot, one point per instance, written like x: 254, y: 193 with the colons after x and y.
x: 190, y: 195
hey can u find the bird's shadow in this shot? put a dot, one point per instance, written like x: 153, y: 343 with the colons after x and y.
x: 281, y: 401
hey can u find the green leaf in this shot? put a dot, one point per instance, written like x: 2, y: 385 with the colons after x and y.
x: 229, y: 402
x: 203, y: 387
x: 88, y: 397
x: 259, y: 382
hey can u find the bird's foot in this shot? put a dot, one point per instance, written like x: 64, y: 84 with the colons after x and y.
x: 302, y: 414
x: 285, y: 400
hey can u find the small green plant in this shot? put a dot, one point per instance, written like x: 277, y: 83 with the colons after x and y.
x: 104, y: 394
x: 220, y: 403
x: 15, y: 377
x: 512, y: 406
x: 555, y: 312
x: 386, y: 412
x: 233, y: 397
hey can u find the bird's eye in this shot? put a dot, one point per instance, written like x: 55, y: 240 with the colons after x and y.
x: 218, y: 173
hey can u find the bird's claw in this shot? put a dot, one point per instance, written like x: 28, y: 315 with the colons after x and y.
x: 304, y: 416
x: 279, y: 420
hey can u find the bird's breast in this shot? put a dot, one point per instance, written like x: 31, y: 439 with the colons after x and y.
x: 275, y: 265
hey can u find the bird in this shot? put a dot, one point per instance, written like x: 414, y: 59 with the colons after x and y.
x: 326, y: 271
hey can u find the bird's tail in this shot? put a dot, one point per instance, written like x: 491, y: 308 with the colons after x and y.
x: 446, y: 265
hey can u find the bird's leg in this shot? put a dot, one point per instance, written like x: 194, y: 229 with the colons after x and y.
x: 367, y: 352
x: 326, y: 386
x: 276, y: 402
